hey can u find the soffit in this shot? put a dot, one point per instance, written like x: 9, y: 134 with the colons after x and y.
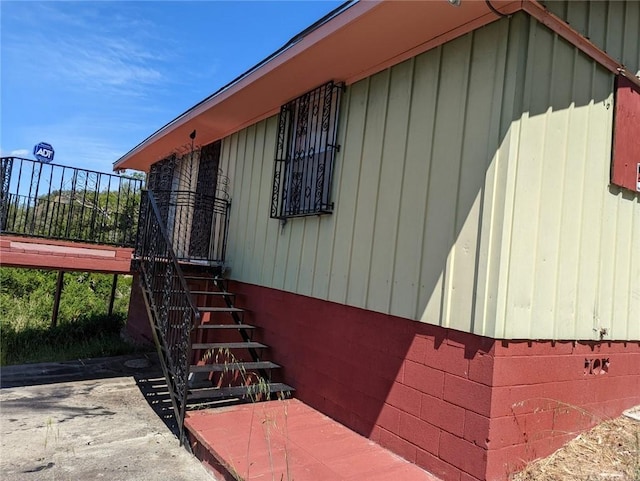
x: 366, y: 38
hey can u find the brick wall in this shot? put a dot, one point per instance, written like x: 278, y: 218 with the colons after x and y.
x: 414, y: 388
x: 461, y: 406
x: 138, y: 326
x: 546, y: 393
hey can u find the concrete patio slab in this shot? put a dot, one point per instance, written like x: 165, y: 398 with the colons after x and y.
x: 289, y: 440
x: 111, y: 428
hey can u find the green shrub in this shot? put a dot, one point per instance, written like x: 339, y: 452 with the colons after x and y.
x: 83, y: 330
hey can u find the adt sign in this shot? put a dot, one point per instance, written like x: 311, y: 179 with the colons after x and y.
x: 43, y: 152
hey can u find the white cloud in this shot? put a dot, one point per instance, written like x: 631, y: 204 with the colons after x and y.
x: 97, y: 64
x: 103, y: 64
x: 79, y: 142
x: 84, y: 54
x: 14, y: 152
x: 86, y: 79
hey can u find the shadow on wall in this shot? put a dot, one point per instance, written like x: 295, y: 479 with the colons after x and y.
x: 425, y: 390
x: 430, y: 149
x: 450, y: 401
x: 528, y: 146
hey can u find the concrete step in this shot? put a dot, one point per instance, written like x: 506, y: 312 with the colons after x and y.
x: 219, y: 309
x: 226, y: 326
x: 228, y: 345
x: 234, y: 366
x: 237, y: 391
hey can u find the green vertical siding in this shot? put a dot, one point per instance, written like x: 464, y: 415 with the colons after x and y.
x: 569, y: 269
x: 418, y: 141
x: 471, y: 192
x: 612, y: 25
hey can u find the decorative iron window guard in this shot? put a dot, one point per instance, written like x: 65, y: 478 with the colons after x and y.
x: 305, y: 152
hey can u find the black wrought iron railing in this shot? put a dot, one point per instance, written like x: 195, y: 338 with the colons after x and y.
x: 169, y: 303
x: 197, y: 224
x: 68, y: 203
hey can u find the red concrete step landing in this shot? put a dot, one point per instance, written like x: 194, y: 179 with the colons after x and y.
x: 290, y: 441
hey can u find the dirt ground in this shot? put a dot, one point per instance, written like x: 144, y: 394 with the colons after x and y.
x: 609, y: 452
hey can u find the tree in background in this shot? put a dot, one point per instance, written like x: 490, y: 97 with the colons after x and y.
x: 62, y: 202
x: 26, y: 301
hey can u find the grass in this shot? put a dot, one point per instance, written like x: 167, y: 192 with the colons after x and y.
x: 86, y: 337
x: 258, y: 390
x: 83, y: 331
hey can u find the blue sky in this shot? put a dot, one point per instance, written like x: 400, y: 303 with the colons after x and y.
x: 95, y: 78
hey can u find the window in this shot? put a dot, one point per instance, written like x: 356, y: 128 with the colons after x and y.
x: 305, y: 152
x: 625, y: 163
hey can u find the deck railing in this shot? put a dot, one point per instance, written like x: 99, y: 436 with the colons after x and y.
x: 169, y: 303
x: 60, y: 202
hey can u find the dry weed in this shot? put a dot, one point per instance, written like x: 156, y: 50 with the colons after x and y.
x: 608, y: 452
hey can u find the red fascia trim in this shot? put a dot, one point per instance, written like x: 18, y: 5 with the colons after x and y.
x: 629, y: 76
x: 560, y: 27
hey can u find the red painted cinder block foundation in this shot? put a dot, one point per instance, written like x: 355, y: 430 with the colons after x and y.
x: 462, y: 406
x: 138, y: 327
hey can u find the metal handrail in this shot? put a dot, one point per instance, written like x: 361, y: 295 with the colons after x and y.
x: 60, y: 202
x: 170, y: 306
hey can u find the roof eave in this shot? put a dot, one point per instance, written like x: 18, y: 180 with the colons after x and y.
x: 244, y: 101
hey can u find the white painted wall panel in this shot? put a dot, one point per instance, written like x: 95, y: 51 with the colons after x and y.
x: 348, y: 174
x: 387, y: 209
x: 481, y: 135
